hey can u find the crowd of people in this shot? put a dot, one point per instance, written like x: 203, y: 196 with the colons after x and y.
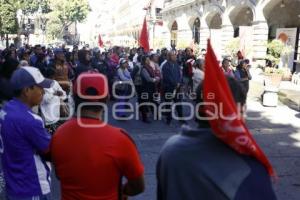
x: 151, y: 75
x: 40, y: 87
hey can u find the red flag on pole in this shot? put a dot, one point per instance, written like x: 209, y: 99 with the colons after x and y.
x: 227, y: 126
x: 144, y: 39
x: 100, y: 42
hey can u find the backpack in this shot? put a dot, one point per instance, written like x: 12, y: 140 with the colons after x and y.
x: 136, y: 74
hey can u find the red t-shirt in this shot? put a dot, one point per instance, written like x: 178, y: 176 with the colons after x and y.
x: 91, y: 161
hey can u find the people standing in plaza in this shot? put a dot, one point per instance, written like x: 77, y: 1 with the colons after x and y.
x: 163, y: 57
x: 98, y: 62
x: 61, y: 70
x: 84, y: 62
x: 242, y: 74
x: 137, y: 81
x: 53, y: 99
x: 171, y: 84
x: 198, y: 74
x: 37, y: 55
x: 107, y: 153
x: 111, y: 71
x: 24, y: 140
x: 149, y: 80
x: 154, y: 59
x: 227, y: 68
x: 124, y: 86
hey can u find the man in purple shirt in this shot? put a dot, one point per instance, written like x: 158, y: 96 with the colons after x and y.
x: 23, y: 138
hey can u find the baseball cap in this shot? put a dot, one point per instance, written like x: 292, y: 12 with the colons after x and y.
x: 58, y: 50
x: 29, y: 76
x: 91, y: 86
x: 122, y: 61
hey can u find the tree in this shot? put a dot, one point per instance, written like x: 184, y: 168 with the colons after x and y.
x: 8, y: 18
x: 66, y: 12
x: 32, y: 6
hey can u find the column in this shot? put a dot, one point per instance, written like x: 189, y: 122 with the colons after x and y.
x: 165, y: 35
x: 184, y: 33
x: 227, y: 31
x: 260, y: 36
x: 204, y: 33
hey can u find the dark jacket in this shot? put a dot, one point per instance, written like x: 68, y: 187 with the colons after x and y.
x: 82, y: 68
x: 171, y: 75
x: 196, y: 165
x: 99, y: 65
x: 6, y: 90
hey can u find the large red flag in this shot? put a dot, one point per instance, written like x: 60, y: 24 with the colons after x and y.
x: 223, y: 113
x: 100, y: 42
x: 144, y: 39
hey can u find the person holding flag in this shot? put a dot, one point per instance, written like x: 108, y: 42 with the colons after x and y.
x: 221, y: 160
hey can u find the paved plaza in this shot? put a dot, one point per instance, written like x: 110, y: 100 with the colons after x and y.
x: 277, y: 131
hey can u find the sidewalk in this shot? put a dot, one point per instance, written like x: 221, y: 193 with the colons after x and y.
x: 289, y: 93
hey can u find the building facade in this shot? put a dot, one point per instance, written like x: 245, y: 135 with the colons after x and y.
x: 253, y: 21
x: 120, y: 21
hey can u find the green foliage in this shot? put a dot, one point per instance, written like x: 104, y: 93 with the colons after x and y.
x: 31, y: 6
x: 64, y: 13
x: 54, y: 28
x: 232, y: 47
x: 70, y: 11
x: 8, y: 16
x: 273, y: 70
x: 274, y: 51
x: 277, y: 49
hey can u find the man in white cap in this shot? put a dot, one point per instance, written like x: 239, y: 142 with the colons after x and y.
x: 24, y: 139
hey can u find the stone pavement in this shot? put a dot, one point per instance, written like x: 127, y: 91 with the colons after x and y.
x: 277, y: 131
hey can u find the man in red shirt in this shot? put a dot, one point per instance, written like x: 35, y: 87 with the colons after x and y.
x: 90, y: 156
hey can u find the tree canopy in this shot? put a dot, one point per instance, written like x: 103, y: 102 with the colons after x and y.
x: 8, y: 16
x: 66, y: 12
x: 60, y: 13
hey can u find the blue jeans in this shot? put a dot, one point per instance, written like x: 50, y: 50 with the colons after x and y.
x: 41, y: 197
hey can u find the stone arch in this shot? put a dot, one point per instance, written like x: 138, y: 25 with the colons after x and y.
x: 289, y: 13
x: 192, y: 21
x: 242, y: 15
x: 214, y: 20
x: 213, y: 16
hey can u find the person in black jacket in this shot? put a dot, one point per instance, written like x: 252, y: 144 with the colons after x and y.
x: 6, y: 71
x: 243, y: 75
x: 149, y: 81
x: 98, y: 62
x: 84, y: 58
x: 171, y: 85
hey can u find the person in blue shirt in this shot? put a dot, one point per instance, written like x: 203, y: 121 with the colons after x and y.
x: 23, y: 138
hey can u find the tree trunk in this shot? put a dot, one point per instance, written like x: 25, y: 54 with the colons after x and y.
x: 7, y: 43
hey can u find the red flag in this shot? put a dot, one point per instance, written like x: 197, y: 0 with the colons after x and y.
x: 144, y: 39
x: 100, y: 42
x: 227, y: 126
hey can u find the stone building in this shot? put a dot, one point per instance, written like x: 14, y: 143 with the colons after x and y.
x: 122, y: 23
x: 256, y: 21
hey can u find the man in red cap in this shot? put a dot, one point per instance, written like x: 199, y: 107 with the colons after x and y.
x: 90, y: 156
